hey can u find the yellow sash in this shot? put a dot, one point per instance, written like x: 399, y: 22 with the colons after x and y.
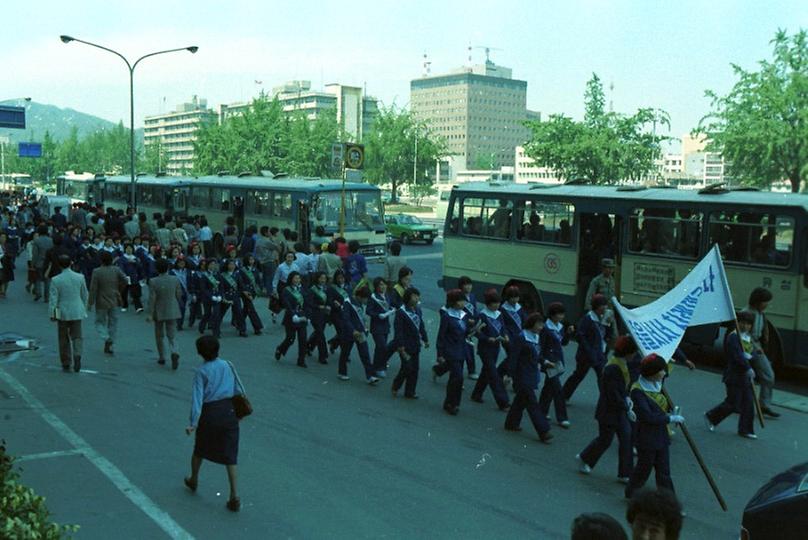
x: 621, y: 363
x: 657, y: 397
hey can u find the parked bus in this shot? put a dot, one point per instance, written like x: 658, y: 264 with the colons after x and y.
x: 16, y: 182
x: 549, y: 240
x: 86, y: 187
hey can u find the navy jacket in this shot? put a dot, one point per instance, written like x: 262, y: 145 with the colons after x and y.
x: 613, y: 393
x: 513, y: 321
x: 471, y: 306
x: 375, y: 309
x: 408, y: 333
x: 525, y: 363
x: 206, y: 290
x: 351, y: 320
x: 316, y: 301
x: 335, y: 301
x: 451, y: 342
x: 552, y: 344
x: 737, y: 364
x: 185, y: 286
x: 246, y: 284
x: 494, y: 328
x: 652, y: 422
x: 292, y: 306
x: 230, y: 292
x: 590, y: 341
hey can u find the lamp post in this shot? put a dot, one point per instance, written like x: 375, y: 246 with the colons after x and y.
x: 131, y: 66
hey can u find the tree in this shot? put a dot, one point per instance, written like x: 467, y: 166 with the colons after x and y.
x: 419, y: 191
x: 605, y: 147
x: 761, y: 125
x: 390, y: 149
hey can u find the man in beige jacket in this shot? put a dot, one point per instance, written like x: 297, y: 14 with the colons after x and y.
x: 105, y: 296
x: 68, y: 306
x: 165, y: 293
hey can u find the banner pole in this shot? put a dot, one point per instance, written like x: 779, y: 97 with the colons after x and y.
x: 699, y: 459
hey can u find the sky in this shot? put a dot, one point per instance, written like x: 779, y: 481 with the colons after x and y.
x: 655, y: 53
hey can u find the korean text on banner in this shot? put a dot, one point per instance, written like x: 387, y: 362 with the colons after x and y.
x: 702, y: 297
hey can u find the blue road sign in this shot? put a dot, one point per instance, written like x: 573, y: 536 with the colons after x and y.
x: 30, y: 149
x: 12, y: 117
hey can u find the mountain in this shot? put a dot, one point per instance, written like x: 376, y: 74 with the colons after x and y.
x: 41, y: 117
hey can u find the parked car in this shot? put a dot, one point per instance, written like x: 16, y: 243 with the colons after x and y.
x: 779, y: 509
x: 409, y: 228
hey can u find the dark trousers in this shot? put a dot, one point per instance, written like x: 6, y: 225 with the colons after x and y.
x: 248, y: 310
x: 739, y: 400
x: 490, y: 378
x: 135, y: 292
x: 194, y: 312
x: 408, y: 375
x: 525, y: 400
x: 599, y: 445
x: 364, y: 356
x: 70, y: 341
x: 454, y: 388
x: 470, y: 363
x: 317, y: 340
x: 659, y: 460
x: 381, y: 351
x: 237, y: 318
x: 183, y: 302
x: 551, y: 392
x: 582, y: 367
x: 211, y: 318
x: 292, y: 332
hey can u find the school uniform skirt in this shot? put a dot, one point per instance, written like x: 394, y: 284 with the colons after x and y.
x: 217, y: 433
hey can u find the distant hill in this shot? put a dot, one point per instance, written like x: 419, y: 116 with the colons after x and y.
x: 41, y: 117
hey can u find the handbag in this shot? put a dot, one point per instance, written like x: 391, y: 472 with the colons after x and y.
x: 241, y: 405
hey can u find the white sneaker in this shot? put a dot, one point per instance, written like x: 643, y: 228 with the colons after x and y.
x: 584, y: 468
x: 474, y: 376
x: 123, y: 310
x: 623, y: 479
x: 381, y: 374
x: 373, y: 380
x: 710, y: 426
x: 140, y: 310
x: 343, y: 377
x: 565, y: 424
x: 749, y: 435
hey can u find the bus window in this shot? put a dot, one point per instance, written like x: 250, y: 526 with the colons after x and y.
x: 200, y: 197
x: 487, y: 217
x: 146, y: 195
x: 454, y: 217
x: 258, y: 203
x: 282, y: 205
x: 747, y: 237
x: 220, y: 199
x: 665, y: 231
x: 545, y: 221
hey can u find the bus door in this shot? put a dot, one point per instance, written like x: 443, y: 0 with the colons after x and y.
x: 237, y: 207
x: 599, y: 238
x: 180, y: 202
x: 303, y: 231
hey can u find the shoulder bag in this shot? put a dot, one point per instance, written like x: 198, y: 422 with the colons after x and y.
x: 241, y: 405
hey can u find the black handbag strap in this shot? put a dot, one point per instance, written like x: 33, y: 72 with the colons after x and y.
x: 238, y: 379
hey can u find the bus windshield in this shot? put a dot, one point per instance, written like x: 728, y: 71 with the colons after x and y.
x: 362, y: 211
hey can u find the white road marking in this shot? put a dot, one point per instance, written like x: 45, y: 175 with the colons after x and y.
x: 47, y: 455
x: 161, y: 518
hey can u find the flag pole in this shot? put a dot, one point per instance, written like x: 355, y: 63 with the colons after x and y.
x: 699, y: 459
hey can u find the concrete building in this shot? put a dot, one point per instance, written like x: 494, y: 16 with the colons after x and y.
x: 697, y: 162
x: 174, y: 134
x: 479, y: 111
x: 526, y: 171
x: 355, y: 110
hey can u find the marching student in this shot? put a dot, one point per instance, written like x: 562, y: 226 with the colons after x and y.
x: 410, y: 332
x: 614, y: 413
x: 294, y: 319
x: 231, y: 297
x: 337, y: 293
x: 554, y: 337
x: 354, y: 332
x: 180, y: 271
x: 738, y: 379
x: 513, y: 316
x: 591, y: 352
x: 653, y: 412
x: 490, y: 340
x: 210, y: 296
x: 451, y: 347
x: 380, y: 313
x: 404, y: 282
x: 466, y: 285
x: 525, y: 367
x: 318, y: 310
x: 194, y: 283
x: 133, y: 270
x: 249, y: 283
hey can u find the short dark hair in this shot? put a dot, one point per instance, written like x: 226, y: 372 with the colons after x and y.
x: 404, y: 271
x: 207, y: 347
x: 532, y: 319
x: 64, y: 261
x: 362, y: 292
x: 339, y: 272
x: 511, y: 292
x: 597, y: 526
x: 660, y: 505
x: 746, y: 317
x: 409, y: 293
x: 464, y: 280
x: 161, y: 266
x: 760, y: 294
x: 353, y: 246
x: 454, y: 295
x: 378, y: 281
x: 106, y: 258
x: 555, y: 308
x: 264, y: 230
x: 291, y: 276
x: 491, y: 297
x: 395, y: 248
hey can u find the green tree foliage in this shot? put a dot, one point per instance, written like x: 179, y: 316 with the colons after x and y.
x: 761, y: 125
x: 606, y: 147
x: 390, y: 149
x: 264, y: 137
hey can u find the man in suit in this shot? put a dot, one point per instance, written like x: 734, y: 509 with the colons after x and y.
x: 105, y: 295
x: 68, y: 306
x: 165, y: 293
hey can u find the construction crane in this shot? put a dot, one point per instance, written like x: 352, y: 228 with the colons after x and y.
x: 487, y: 51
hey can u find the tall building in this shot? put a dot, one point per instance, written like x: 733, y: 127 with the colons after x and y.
x: 527, y: 171
x: 479, y: 111
x: 355, y: 110
x: 174, y: 134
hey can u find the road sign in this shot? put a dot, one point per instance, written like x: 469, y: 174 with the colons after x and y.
x: 12, y: 117
x: 337, y: 153
x: 354, y: 156
x: 28, y: 149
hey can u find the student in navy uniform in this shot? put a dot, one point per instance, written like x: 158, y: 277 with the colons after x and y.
x: 451, y: 347
x: 525, y: 367
x: 231, y: 297
x: 490, y: 340
x: 337, y: 294
x: 194, y: 283
x: 294, y: 319
x: 513, y: 317
x: 353, y: 332
x: 210, y: 296
x: 404, y: 282
x: 653, y: 412
x: 554, y: 337
x: 318, y: 311
x: 614, y: 413
x: 410, y: 332
x: 180, y: 271
x: 133, y: 270
x: 738, y: 379
x: 381, y: 314
x: 249, y: 279
x: 591, y: 352
x: 466, y: 285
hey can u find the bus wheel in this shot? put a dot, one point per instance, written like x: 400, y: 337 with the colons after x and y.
x: 529, y: 297
x: 405, y: 238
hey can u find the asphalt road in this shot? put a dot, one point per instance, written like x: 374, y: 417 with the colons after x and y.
x: 322, y: 458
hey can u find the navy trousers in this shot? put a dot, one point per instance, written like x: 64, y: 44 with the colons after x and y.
x: 364, y: 356
x: 599, y: 445
x: 408, y: 375
x: 454, y: 388
x: 525, y: 400
x: 739, y: 400
x: 647, y: 459
x: 470, y: 363
x: 582, y: 367
x: 295, y: 332
x: 551, y: 392
x: 237, y: 317
x: 490, y: 378
x: 317, y: 339
x: 381, y: 351
x: 248, y: 310
x: 210, y: 318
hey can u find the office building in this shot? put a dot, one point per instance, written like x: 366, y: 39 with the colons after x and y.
x: 174, y: 134
x: 527, y: 171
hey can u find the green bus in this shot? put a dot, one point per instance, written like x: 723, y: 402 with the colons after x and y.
x: 549, y: 240
x: 299, y: 204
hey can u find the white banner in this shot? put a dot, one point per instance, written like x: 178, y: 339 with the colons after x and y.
x: 702, y: 297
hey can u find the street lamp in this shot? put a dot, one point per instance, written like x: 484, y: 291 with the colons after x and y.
x: 192, y: 49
